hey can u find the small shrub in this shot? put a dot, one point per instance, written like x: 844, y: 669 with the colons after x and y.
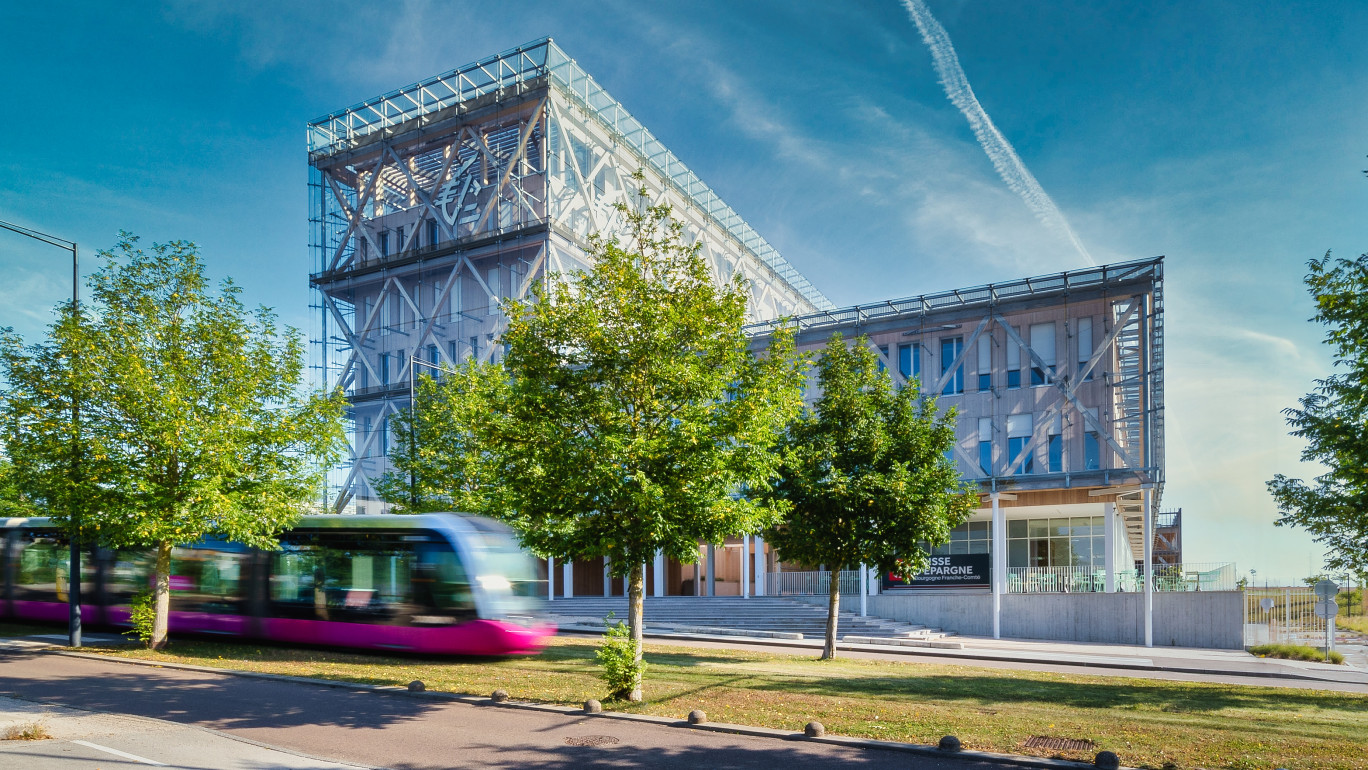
x: 1294, y: 652
x: 27, y: 731
x: 621, y: 670
x: 142, y: 614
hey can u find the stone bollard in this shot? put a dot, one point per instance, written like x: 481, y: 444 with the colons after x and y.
x: 949, y: 743
x: 592, y: 706
x: 499, y: 696
x: 697, y: 717
x: 814, y: 730
x: 416, y: 686
x: 1107, y: 760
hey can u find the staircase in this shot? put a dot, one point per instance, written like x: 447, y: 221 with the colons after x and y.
x: 759, y: 616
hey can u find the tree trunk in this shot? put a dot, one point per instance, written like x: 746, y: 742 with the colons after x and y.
x: 635, y: 611
x: 161, y: 593
x: 833, y: 610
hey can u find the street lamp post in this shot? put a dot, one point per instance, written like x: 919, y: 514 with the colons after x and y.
x: 74, y: 568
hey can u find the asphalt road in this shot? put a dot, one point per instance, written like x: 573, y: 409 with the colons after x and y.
x: 397, y: 731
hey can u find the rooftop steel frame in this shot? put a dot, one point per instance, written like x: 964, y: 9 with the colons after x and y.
x: 345, y: 129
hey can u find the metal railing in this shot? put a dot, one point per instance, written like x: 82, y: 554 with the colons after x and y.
x: 1167, y: 578
x: 1291, y: 618
x: 816, y: 583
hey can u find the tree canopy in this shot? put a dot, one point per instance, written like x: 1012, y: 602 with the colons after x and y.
x: 632, y: 417
x: 1333, y: 419
x: 865, y: 474
x: 192, y: 414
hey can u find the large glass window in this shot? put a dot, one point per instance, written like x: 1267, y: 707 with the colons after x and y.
x: 1013, y: 360
x: 209, y: 577
x: 1018, y: 438
x: 985, y: 439
x: 1092, y: 451
x: 1043, y: 343
x: 909, y: 361
x: 883, y: 356
x: 1076, y: 541
x: 1085, y: 346
x: 969, y: 537
x: 985, y: 362
x: 951, y: 347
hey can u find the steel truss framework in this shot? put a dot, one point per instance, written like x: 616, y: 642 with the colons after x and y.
x: 431, y: 206
x: 1127, y: 360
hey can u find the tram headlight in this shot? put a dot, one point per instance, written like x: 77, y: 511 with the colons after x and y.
x: 494, y: 583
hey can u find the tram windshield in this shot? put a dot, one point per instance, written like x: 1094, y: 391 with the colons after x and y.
x: 506, y: 572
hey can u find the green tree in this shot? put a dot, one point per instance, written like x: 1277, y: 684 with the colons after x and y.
x: 633, y: 415
x: 193, y: 417
x: 438, y: 460
x: 14, y: 501
x: 866, y: 476
x: 1333, y: 419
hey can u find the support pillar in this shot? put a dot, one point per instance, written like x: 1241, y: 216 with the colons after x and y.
x: 745, y: 566
x: 712, y: 570
x: 658, y: 575
x: 698, y: 575
x: 607, y: 579
x: 999, y: 562
x: 864, y: 591
x: 1146, y: 495
x: 1109, y: 542
x: 759, y: 566
x: 568, y: 579
x: 550, y: 578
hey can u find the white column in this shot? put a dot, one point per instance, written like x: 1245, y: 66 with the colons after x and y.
x: 568, y: 579
x: 712, y: 570
x: 607, y: 579
x: 550, y: 579
x: 999, y: 563
x: 745, y: 566
x: 698, y: 575
x: 658, y: 575
x: 1109, y: 542
x: 864, y: 591
x: 1146, y: 494
x: 872, y: 580
x: 759, y: 566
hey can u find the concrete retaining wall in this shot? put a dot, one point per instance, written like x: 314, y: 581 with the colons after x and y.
x: 1212, y: 619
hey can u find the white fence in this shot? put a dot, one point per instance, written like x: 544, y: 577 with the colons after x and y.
x: 1291, y: 619
x: 1168, y: 578
x: 810, y: 583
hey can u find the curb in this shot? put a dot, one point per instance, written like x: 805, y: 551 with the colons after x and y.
x: 966, y: 655
x: 572, y: 711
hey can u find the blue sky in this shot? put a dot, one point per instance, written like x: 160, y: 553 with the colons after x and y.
x: 1225, y: 135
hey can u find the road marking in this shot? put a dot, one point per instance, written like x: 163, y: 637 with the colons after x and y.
x: 118, y: 753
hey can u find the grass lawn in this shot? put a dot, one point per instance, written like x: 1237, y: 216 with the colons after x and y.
x: 1148, y: 723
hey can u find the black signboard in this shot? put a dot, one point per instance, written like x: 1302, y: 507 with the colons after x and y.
x: 960, y: 570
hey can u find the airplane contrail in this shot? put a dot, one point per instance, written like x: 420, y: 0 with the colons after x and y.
x: 995, y: 145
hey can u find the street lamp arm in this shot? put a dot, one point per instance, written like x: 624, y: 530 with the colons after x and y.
x: 51, y: 240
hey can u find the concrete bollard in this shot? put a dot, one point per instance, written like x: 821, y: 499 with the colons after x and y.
x: 416, y: 686
x: 697, y: 717
x: 592, y: 706
x: 499, y: 696
x: 949, y: 743
x: 814, y: 730
x: 1107, y: 760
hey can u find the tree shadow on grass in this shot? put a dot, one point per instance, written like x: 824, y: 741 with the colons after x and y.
x: 986, y: 691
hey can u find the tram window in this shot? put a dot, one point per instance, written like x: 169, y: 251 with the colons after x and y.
x: 129, y: 573
x: 441, y: 581
x: 207, y: 577
x: 41, y: 569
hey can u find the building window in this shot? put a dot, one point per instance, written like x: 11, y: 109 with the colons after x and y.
x: 451, y: 350
x: 883, y: 356
x: 1092, y: 451
x: 475, y: 347
x: 365, y: 437
x: 909, y: 361
x: 951, y: 347
x: 969, y: 537
x: 985, y: 362
x: 384, y: 244
x: 434, y: 234
x: 1014, y: 361
x: 985, y: 445
x: 384, y: 437
x: 1076, y: 542
x: 434, y: 355
x: 1085, y: 346
x: 1043, y: 343
x: 384, y: 368
x: 1018, y: 439
x: 1054, y: 449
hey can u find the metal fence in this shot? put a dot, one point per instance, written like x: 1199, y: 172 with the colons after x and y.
x: 1290, y: 618
x: 1168, y: 577
x: 810, y: 583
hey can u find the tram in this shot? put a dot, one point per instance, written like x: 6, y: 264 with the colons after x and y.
x: 444, y: 584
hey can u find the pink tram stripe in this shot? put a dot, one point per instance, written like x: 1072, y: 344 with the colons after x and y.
x: 475, y: 637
